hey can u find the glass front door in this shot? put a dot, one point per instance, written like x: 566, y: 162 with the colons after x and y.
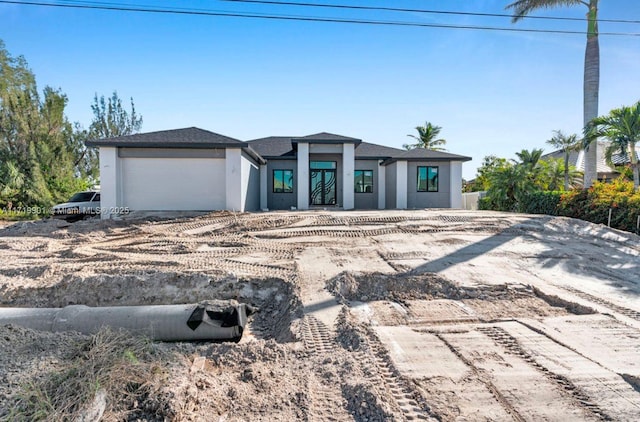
x: 323, y: 183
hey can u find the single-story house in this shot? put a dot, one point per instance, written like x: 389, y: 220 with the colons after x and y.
x: 605, y: 171
x: 196, y: 170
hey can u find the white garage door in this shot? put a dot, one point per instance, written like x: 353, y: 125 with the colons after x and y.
x: 173, y: 184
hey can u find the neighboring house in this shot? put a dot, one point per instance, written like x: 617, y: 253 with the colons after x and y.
x: 576, y: 159
x: 197, y: 170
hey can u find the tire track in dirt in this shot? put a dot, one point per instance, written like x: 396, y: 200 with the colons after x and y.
x: 348, y: 233
x: 326, y: 403
x: 460, y: 228
x: 326, y: 220
x: 193, y: 246
x: 202, y: 261
x: 502, y: 338
x: 398, y: 268
x: 191, y: 224
x: 608, y: 381
x: 633, y: 314
x: 198, y: 261
x: 398, y: 256
x: 161, y: 248
x: 377, y: 362
x: 321, y: 343
x: 235, y: 222
x: 480, y: 376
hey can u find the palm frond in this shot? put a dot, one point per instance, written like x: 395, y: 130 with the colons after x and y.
x: 621, y: 127
x: 564, y: 142
x: 427, y: 138
x: 522, y: 8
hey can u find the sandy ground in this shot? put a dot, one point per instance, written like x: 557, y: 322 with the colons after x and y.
x: 366, y: 316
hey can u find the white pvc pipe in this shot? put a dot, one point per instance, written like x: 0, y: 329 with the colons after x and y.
x: 215, y: 320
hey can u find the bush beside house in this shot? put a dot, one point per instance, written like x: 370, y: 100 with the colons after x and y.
x: 591, y: 204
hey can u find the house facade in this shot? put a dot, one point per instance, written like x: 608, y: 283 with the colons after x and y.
x: 605, y: 171
x: 196, y: 170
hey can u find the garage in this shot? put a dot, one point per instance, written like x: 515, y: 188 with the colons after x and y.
x: 176, y: 184
x: 186, y: 169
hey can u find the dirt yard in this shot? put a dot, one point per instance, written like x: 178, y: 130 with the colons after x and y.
x: 365, y: 316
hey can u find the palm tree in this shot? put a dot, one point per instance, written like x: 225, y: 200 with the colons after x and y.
x: 529, y: 161
x: 427, y: 138
x: 622, y: 127
x: 552, y: 175
x: 566, y: 144
x: 530, y: 158
x: 591, y: 88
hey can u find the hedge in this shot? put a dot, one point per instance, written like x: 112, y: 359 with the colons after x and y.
x: 591, y: 204
x: 541, y: 203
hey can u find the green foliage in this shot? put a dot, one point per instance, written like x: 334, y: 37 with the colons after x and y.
x: 14, y: 215
x: 36, y: 164
x: 622, y: 127
x: 486, y: 204
x: 510, y: 181
x: 523, y: 8
x: 531, y: 186
x: 567, y: 143
x: 510, y: 184
x: 593, y: 204
x: 43, y: 157
x: 490, y: 164
x: 553, y: 173
x: 427, y: 138
x: 540, y: 202
x: 111, y: 119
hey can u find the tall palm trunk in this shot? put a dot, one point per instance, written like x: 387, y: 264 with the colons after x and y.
x: 634, y: 165
x: 591, y: 90
x: 566, y: 171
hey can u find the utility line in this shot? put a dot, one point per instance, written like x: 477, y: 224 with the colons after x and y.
x: 201, y: 12
x: 441, y: 12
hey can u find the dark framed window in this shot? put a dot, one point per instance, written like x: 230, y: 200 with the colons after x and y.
x: 427, y: 179
x: 363, y: 180
x: 283, y: 181
x: 321, y: 165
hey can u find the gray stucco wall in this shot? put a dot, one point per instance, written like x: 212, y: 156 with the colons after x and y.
x: 440, y: 199
x: 390, y: 189
x: 251, y: 171
x: 366, y: 200
x: 281, y: 201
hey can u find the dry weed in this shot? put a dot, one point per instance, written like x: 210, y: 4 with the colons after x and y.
x: 111, y: 377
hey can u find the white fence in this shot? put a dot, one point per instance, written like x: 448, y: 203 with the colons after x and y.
x: 470, y: 200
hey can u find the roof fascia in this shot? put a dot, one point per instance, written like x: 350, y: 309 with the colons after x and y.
x: 414, y: 159
x: 134, y: 144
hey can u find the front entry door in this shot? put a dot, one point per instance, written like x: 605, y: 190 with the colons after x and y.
x: 323, y: 187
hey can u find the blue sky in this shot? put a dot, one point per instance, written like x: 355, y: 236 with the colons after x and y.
x: 492, y: 92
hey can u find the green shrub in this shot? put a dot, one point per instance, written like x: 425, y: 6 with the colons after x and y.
x: 494, y: 203
x: 540, y: 202
x: 11, y: 215
x: 485, y: 204
x: 593, y: 204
